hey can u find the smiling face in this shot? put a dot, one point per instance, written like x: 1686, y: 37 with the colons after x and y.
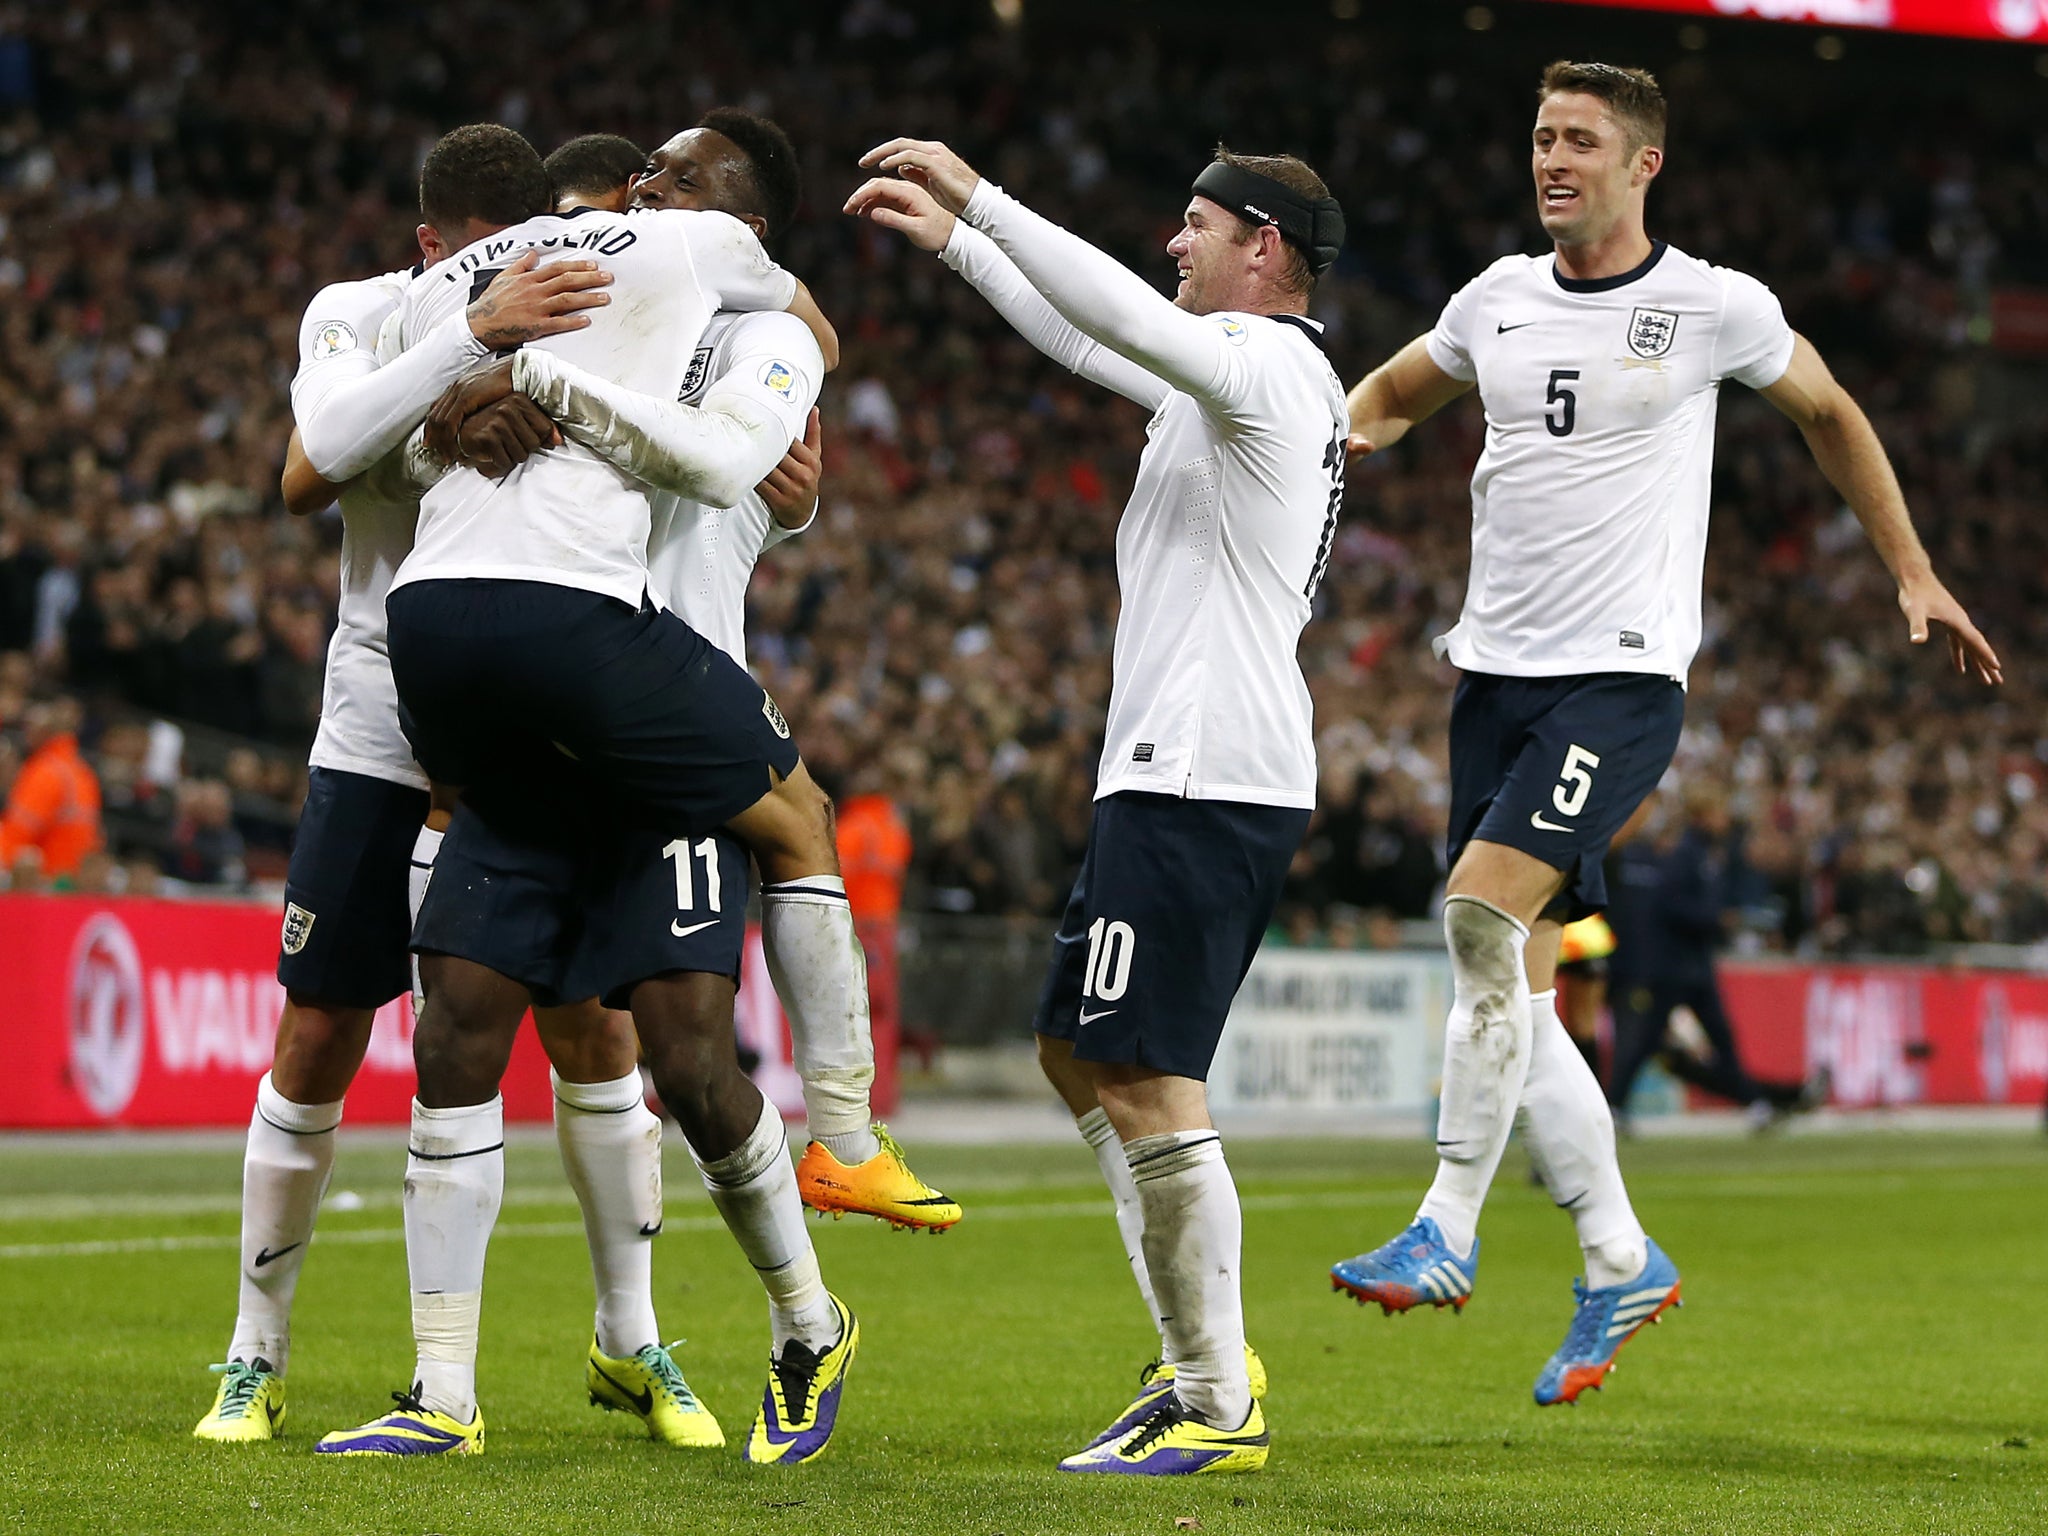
x: 1215, y: 252
x: 1589, y: 178
x: 698, y: 168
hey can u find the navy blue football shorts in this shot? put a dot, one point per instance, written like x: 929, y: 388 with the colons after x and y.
x: 499, y: 678
x: 583, y: 907
x: 345, y: 918
x: 1173, y: 899
x: 1554, y: 766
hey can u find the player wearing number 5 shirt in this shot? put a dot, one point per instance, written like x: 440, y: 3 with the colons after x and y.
x: 1599, y: 366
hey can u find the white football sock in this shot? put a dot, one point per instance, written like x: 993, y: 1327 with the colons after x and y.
x: 1569, y: 1131
x: 424, y: 848
x: 821, y: 975
x: 1194, y: 1235
x: 611, y: 1149
x: 1486, y: 1055
x: 754, y: 1188
x: 1130, y: 1212
x: 454, y: 1184
x: 285, y: 1167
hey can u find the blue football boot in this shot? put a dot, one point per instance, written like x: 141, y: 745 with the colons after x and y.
x: 1606, y: 1319
x: 1415, y: 1267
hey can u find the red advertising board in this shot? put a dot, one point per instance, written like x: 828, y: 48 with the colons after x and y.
x: 161, y: 1013
x: 1895, y: 1034
x: 2000, y: 20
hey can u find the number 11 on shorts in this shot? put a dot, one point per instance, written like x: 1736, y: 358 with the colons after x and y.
x: 1109, y: 960
x: 686, y: 894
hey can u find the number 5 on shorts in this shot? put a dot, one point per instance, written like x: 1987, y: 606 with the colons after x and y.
x: 1109, y: 960
x: 1574, y: 781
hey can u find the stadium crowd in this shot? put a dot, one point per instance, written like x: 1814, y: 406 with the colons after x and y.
x: 175, y: 182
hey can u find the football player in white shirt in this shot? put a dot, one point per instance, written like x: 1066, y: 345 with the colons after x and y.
x: 343, y: 953
x: 700, y: 558
x: 1599, y: 366
x: 1208, y: 771
x: 549, y: 558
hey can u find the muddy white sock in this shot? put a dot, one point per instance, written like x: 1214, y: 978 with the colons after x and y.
x: 1569, y: 1131
x: 454, y: 1184
x: 1486, y: 1055
x: 1194, y: 1234
x: 285, y: 1167
x: 611, y: 1149
x: 754, y: 1188
x: 1130, y: 1212
x: 424, y: 848
x: 821, y: 975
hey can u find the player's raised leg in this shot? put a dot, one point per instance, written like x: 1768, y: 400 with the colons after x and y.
x: 852, y: 1165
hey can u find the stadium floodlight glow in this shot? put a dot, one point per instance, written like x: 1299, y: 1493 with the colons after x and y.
x: 1997, y: 20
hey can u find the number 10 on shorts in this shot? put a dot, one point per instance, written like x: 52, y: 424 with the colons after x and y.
x: 1109, y: 960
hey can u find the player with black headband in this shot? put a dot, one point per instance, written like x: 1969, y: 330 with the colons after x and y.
x: 1599, y: 366
x: 1208, y: 770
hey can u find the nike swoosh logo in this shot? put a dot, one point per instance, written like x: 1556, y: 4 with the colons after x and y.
x: 1502, y: 330
x: 650, y: 1230
x: 1536, y: 820
x: 1090, y: 1018
x: 264, y: 1255
x: 275, y: 1411
x: 644, y: 1401
x: 683, y: 933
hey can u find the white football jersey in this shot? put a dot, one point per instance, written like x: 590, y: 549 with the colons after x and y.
x: 359, y: 706
x: 565, y: 516
x: 1590, y: 500
x: 1218, y: 556
x: 700, y: 558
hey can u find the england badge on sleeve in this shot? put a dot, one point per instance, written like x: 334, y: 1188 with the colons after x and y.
x: 1650, y: 331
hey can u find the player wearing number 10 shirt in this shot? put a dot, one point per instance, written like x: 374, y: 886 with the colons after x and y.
x: 1208, y: 770
x: 1599, y: 367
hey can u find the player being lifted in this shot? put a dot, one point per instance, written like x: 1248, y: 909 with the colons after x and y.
x: 345, y: 929
x: 1208, y: 771
x: 1599, y: 367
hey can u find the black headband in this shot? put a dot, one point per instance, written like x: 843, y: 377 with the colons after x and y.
x: 1314, y: 225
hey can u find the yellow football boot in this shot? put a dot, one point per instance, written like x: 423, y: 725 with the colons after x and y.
x: 1171, y: 1442
x: 248, y: 1406
x: 883, y: 1186
x: 1156, y: 1380
x: 801, y: 1404
x: 649, y: 1386
x: 413, y: 1430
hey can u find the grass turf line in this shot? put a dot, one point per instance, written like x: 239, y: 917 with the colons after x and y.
x: 1862, y: 1350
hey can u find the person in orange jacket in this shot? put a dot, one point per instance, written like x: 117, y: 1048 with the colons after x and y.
x: 54, y: 806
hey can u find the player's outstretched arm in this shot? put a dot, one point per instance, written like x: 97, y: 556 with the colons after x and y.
x: 904, y: 206
x: 1847, y: 449
x: 805, y: 308
x: 1096, y: 293
x: 1408, y: 387
x: 351, y: 413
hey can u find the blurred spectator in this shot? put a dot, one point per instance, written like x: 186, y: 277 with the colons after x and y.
x: 177, y: 181
x: 52, y: 819
x: 205, y: 848
x: 874, y: 855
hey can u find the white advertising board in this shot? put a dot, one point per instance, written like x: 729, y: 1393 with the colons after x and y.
x: 1327, y: 1036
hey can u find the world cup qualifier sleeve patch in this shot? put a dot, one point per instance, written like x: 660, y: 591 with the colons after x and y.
x: 774, y: 714
x: 333, y: 338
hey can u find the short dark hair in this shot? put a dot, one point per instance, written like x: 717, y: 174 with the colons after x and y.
x: 1632, y: 95
x: 774, y: 181
x: 485, y: 172
x: 594, y: 164
x: 1297, y: 176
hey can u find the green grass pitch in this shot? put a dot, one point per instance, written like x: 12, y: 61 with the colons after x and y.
x: 1864, y: 1348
